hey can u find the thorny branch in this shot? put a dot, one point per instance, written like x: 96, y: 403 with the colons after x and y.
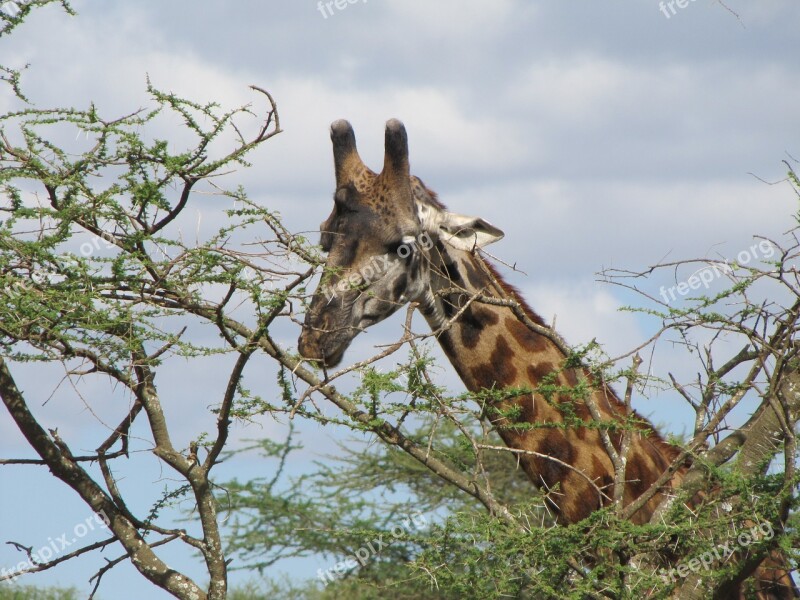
x: 63, y: 308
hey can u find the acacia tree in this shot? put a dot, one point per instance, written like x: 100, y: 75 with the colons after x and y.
x: 98, y: 278
x: 93, y: 277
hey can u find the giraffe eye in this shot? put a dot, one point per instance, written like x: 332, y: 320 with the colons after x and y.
x: 394, y: 247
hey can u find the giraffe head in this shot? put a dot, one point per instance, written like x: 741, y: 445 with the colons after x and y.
x: 379, y: 240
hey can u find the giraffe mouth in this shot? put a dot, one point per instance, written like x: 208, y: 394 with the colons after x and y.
x: 326, y: 350
x: 325, y: 358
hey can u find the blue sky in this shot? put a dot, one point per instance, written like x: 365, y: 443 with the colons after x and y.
x: 595, y: 134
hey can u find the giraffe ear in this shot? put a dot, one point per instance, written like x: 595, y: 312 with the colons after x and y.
x: 467, y: 233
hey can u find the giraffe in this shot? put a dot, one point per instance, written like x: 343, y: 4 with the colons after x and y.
x: 390, y: 242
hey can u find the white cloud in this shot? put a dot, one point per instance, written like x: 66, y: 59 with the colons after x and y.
x: 585, y: 310
x: 463, y: 18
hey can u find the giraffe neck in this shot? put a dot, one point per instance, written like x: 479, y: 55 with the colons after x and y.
x: 491, y: 348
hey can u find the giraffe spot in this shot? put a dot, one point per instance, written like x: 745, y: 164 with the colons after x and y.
x: 554, y: 445
x: 499, y: 371
x: 501, y: 359
x: 602, y: 476
x: 472, y: 323
x: 527, y: 404
x: 531, y: 341
x: 636, y: 475
x: 449, y: 304
x: 571, y: 377
x: 470, y: 334
x: 450, y: 268
x: 474, y: 277
x: 582, y: 411
x: 538, y: 371
x: 446, y: 342
x: 451, y: 271
x: 488, y: 316
x: 484, y: 375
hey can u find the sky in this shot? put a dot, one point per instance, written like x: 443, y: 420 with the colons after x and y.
x: 594, y: 134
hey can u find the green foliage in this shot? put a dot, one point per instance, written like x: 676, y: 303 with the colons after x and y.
x: 384, y: 586
x: 29, y: 592
x: 335, y: 510
x: 466, y: 552
x: 96, y: 275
